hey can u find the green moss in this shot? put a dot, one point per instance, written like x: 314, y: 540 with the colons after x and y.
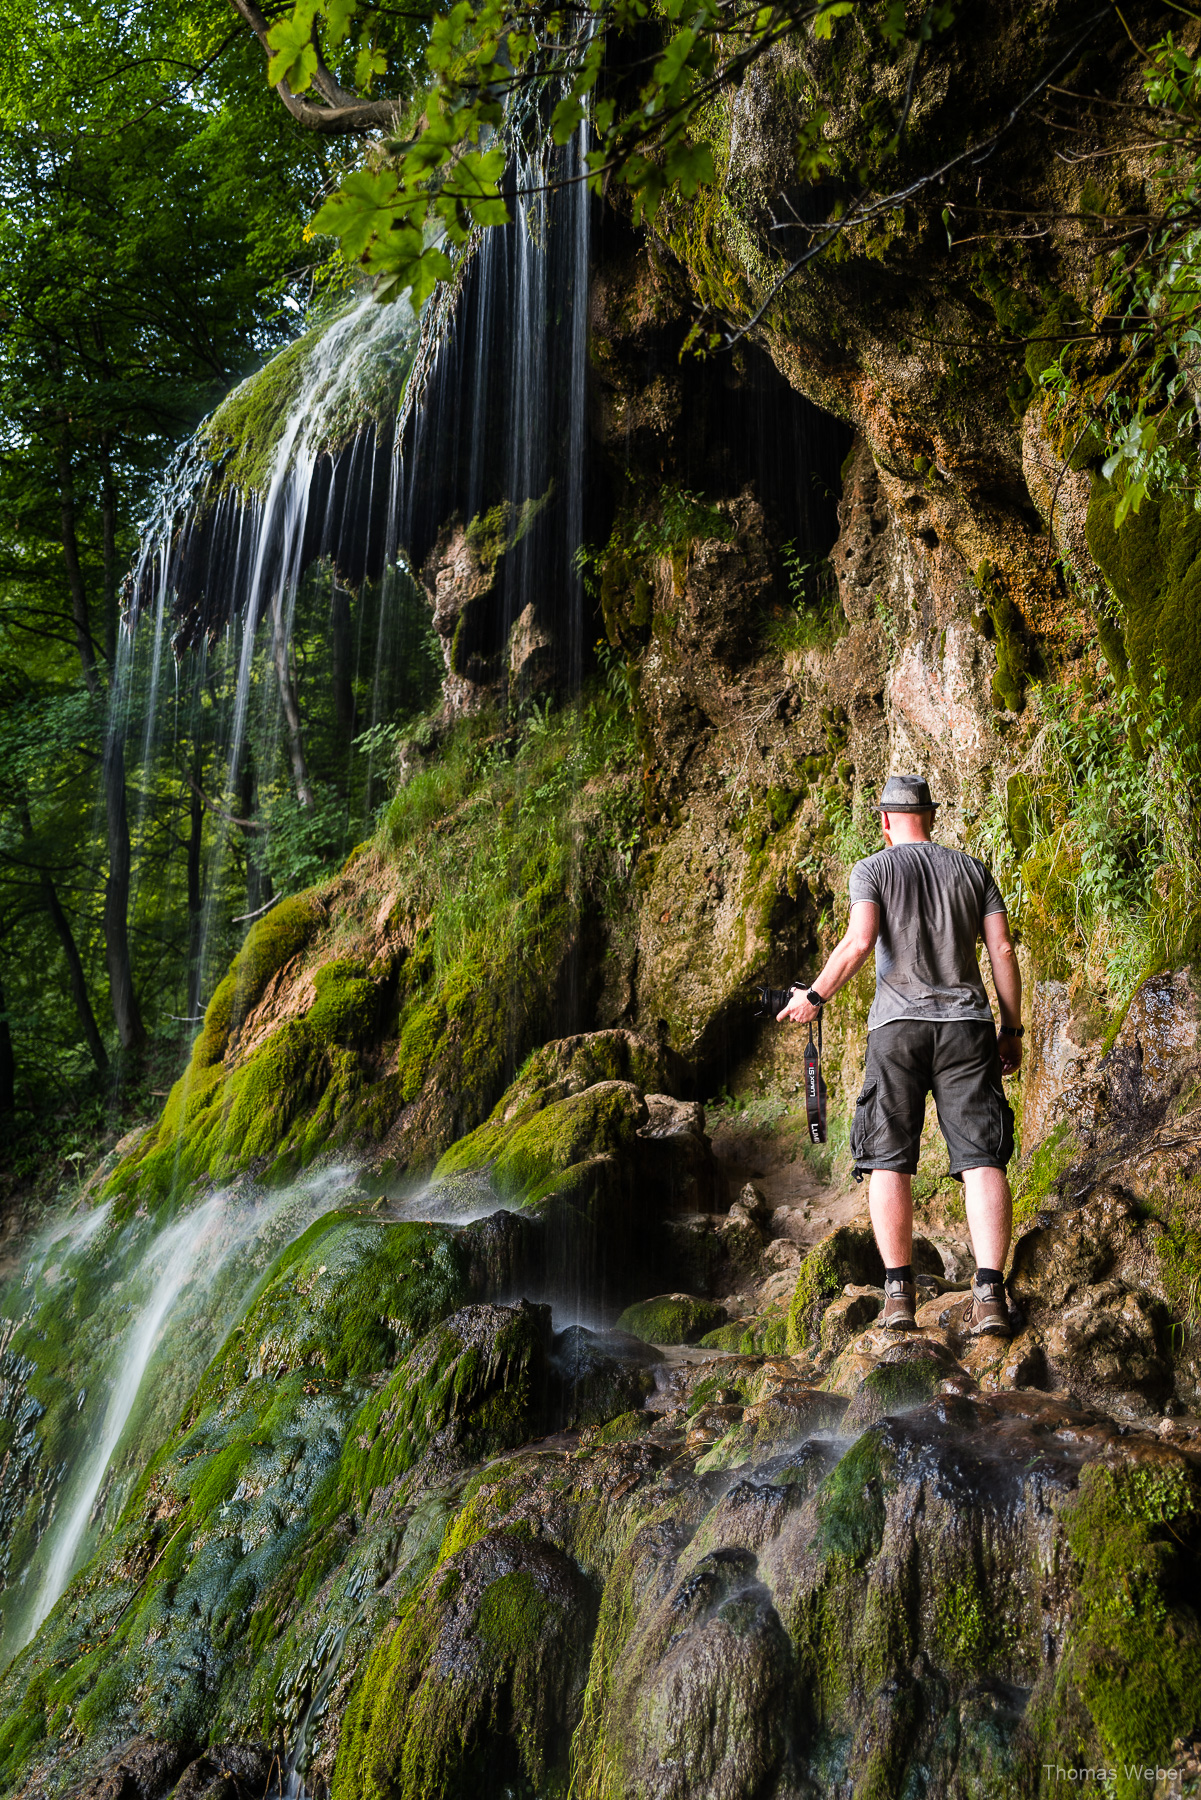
x: 850, y: 1503
x: 671, y: 1319
x: 624, y: 1429
x: 1041, y: 1174
x: 1178, y: 1266
x: 847, y: 1255
x: 216, y: 1121
x: 511, y: 1614
x: 478, y: 1374
x: 1014, y: 653
x: 344, y: 1011
x: 893, y: 1388
x: 244, y: 433
x: 538, y: 1153
x: 348, y: 1298
x: 1135, y: 1647
x: 726, y: 1337
x: 1153, y: 566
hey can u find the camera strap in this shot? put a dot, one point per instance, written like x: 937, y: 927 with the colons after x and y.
x: 815, y: 1086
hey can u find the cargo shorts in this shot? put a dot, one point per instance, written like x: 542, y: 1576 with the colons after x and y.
x: 960, y: 1065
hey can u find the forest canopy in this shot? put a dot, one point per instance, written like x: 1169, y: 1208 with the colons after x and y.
x: 185, y: 189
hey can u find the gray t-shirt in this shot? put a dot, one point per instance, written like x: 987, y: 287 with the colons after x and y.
x: 932, y: 905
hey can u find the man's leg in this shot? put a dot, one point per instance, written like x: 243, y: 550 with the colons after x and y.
x: 989, y: 1215
x: 890, y: 1202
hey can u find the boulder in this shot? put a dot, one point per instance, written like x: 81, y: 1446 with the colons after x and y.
x: 672, y: 1319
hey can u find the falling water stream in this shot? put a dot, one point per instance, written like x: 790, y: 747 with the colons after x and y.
x: 188, y: 1284
x: 169, y: 1263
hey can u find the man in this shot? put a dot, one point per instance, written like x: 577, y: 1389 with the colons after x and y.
x: 930, y: 1030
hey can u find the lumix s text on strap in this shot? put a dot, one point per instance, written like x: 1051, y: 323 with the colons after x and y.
x: 815, y: 1087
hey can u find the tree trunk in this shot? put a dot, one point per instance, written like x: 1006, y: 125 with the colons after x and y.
x: 75, y: 971
x: 79, y: 985
x: 79, y: 598
x: 258, y: 881
x: 130, y: 1029
x: 8, y: 1066
x: 195, y: 885
x: 108, y: 528
x: 343, y: 684
x: 287, y: 694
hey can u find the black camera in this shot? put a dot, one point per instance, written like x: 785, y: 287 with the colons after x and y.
x: 774, y: 1000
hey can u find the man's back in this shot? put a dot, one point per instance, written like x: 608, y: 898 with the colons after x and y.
x: 931, y: 902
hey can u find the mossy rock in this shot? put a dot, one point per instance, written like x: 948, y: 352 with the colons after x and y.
x: 725, y: 1337
x: 215, y: 1120
x: 847, y: 1256
x: 909, y: 1378
x: 549, y: 1149
x: 1153, y: 565
x: 347, y: 1004
x: 475, y: 1690
x: 672, y: 1319
x: 349, y: 1298
x: 600, y: 1376
x: 476, y: 1384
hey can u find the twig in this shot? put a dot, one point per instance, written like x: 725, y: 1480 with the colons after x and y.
x: 861, y: 213
x: 244, y: 918
x: 225, y: 817
x: 150, y: 1571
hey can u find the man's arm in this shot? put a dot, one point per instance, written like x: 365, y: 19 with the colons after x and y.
x: 1007, y: 979
x: 846, y: 960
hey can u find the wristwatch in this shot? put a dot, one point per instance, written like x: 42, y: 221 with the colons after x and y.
x: 814, y: 998
x: 1011, y: 1031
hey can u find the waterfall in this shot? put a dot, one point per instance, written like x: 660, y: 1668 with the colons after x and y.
x: 339, y: 464
x: 169, y: 1264
x: 189, y: 1283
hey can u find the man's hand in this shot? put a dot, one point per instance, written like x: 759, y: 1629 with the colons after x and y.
x: 799, y: 1011
x: 1010, y: 1051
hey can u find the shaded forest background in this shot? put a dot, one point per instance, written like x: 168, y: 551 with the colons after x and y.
x: 161, y: 169
x: 153, y: 203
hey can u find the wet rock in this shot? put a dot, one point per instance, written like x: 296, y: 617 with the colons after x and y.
x: 476, y: 1384
x: 845, y: 1318
x: 846, y: 1257
x: 698, y: 1698
x: 927, y: 1258
x: 228, y: 1772
x: 601, y: 1375
x: 905, y: 1376
x: 142, y: 1769
x: 580, y: 1152
x: 672, y: 1319
x: 477, y: 1687
x: 754, y: 1204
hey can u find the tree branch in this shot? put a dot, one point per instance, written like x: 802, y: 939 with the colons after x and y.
x: 345, y: 112
x: 225, y: 817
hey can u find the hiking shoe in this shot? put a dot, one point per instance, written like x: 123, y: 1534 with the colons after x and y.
x: 986, y: 1313
x: 899, y: 1301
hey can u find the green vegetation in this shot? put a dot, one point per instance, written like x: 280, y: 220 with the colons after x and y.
x: 1135, y: 1649
x: 348, y: 1298
x: 479, y: 851
x: 848, y: 1255
x: 1096, y: 845
x: 671, y: 1319
x: 814, y: 618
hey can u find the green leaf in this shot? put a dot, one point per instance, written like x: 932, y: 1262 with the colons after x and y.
x: 566, y: 119
x: 362, y: 207
x: 294, y: 57
x: 368, y: 63
x: 338, y: 14
x: 823, y: 24
x: 690, y: 166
